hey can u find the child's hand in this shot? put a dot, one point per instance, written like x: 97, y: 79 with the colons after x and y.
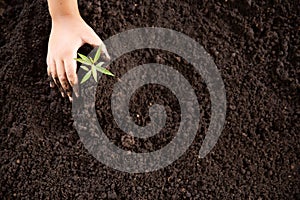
x: 68, y: 34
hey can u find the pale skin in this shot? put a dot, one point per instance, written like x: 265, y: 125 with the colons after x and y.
x: 69, y: 32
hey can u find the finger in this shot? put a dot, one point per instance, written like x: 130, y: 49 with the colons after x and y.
x: 70, y: 67
x: 61, y: 73
x: 52, y: 84
x: 48, y: 70
x: 69, y: 92
x: 48, y: 66
x: 104, y: 53
x: 56, y: 80
x: 51, y: 71
x: 94, y: 40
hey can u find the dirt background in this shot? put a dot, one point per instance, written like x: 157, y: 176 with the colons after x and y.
x: 255, y: 45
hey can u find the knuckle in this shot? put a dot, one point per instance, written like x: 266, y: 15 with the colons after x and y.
x: 53, y: 74
x: 71, y: 81
x: 62, y: 78
x: 65, y: 53
x: 49, y: 61
x: 70, y: 76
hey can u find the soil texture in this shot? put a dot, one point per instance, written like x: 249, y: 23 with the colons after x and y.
x: 255, y: 45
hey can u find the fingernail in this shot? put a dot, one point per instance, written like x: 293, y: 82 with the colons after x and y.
x: 71, y: 99
x: 69, y: 93
x: 62, y: 94
x: 76, y: 90
x: 54, y: 80
x: 76, y: 94
x: 107, y: 56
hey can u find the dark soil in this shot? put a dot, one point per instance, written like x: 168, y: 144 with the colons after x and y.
x: 255, y: 45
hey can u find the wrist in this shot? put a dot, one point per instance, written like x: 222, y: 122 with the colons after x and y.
x: 66, y: 17
x: 63, y: 8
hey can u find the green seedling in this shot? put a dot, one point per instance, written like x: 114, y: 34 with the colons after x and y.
x: 91, y: 66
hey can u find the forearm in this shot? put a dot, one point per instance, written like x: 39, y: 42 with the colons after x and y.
x: 60, y: 8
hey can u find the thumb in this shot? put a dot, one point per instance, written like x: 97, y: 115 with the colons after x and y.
x: 94, y: 40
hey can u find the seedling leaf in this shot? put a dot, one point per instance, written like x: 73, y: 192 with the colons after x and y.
x: 100, y: 64
x: 97, y: 55
x: 82, y: 61
x: 94, y: 72
x: 85, y: 68
x: 91, y: 59
x: 103, y: 70
x: 86, y: 77
x: 84, y: 58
